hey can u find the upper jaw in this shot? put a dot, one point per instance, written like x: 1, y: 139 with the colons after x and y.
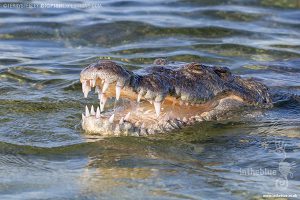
x: 103, y: 74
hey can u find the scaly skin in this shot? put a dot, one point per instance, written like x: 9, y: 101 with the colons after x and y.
x: 164, y: 96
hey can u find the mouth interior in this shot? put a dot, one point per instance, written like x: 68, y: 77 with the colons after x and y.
x: 142, y: 113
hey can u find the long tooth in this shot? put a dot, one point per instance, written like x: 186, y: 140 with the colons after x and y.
x: 139, y: 97
x: 97, y: 89
x: 127, y: 116
x: 93, y: 82
x: 111, y: 119
x: 98, y: 112
x: 83, y: 86
x: 118, y: 92
x: 143, y: 125
x: 86, y: 91
x: 92, y: 110
x: 121, y: 120
x: 85, y: 94
x: 102, y: 104
x: 87, y: 113
x: 105, y: 86
x: 157, y: 106
x: 103, y: 99
x: 82, y: 117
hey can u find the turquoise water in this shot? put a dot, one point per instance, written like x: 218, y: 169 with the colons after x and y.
x: 44, y: 154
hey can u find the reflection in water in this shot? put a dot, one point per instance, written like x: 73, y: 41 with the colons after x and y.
x: 112, y: 181
x: 45, y: 154
x: 191, y: 164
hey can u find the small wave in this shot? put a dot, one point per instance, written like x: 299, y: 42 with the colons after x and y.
x: 288, y: 100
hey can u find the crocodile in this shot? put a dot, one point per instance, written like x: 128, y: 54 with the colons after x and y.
x: 164, y: 96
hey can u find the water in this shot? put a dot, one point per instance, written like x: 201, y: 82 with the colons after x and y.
x: 45, y: 154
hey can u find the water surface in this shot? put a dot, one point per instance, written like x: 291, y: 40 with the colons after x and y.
x: 45, y: 154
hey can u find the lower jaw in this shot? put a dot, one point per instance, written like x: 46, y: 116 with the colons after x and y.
x: 140, y: 120
x: 102, y: 126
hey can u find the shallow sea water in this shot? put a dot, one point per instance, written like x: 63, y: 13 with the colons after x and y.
x: 44, y: 154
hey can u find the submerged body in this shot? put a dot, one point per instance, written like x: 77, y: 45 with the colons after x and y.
x: 164, y: 96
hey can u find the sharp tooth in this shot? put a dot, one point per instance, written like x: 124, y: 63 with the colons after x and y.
x: 93, y: 82
x: 102, y: 104
x: 97, y: 89
x: 157, y: 106
x: 83, y: 86
x: 118, y: 92
x: 143, y: 125
x: 139, y: 97
x: 127, y: 116
x: 121, y: 120
x: 102, y: 81
x: 103, y: 99
x: 150, y: 101
x: 87, y: 113
x: 92, y: 110
x: 98, y: 112
x: 105, y: 87
x: 86, y: 94
x: 99, y: 95
x: 82, y: 120
x: 87, y: 89
x: 111, y: 119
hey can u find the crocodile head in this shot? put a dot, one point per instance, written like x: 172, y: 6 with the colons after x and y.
x: 163, y: 97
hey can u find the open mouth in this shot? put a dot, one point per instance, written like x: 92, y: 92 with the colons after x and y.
x: 132, y: 104
x: 161, y: 98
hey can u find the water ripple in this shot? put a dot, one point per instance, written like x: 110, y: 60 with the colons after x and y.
x: 43, y: 151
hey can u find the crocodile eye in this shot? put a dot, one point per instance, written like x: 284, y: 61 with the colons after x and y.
x: 194, y: 68
x: 160, y: 61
